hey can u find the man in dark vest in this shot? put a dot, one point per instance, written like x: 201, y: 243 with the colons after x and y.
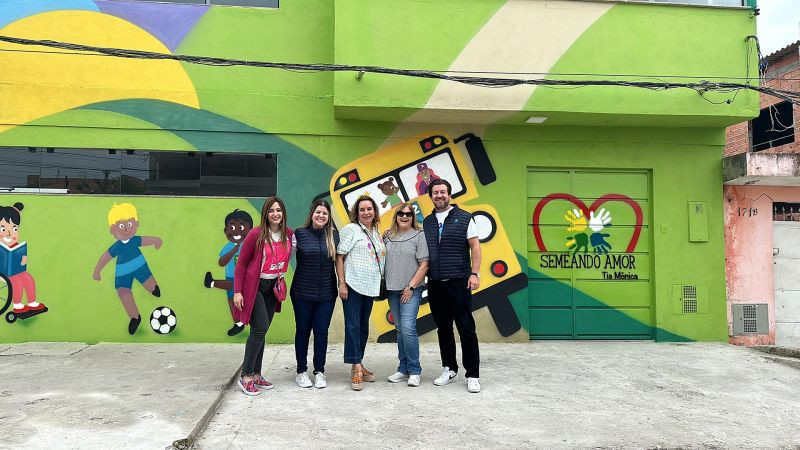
x: 452, y: 236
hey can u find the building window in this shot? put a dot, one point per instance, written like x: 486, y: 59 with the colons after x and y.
x: 786, y: 212
x: 136, y: 172
x: 773, y: 127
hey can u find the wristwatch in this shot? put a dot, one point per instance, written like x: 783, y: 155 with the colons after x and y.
x: 410, y: 287
x: 476, y: 274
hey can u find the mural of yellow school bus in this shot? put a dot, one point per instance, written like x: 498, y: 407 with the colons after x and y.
x: 401, y: 172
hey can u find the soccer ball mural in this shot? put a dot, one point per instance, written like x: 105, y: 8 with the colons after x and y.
x: 163, y: 320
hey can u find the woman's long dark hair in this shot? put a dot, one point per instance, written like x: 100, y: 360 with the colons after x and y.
x: 327, y: 229
x: 264, y: 235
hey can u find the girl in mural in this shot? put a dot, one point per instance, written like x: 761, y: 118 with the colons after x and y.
x: 359, y: 264
x: 131, y: 265
x: 406, y: 266
x: 237, y: 224
x: 263, y: 259
x: 314, y: 291
x: 424, y: 178
x: 14, y: 260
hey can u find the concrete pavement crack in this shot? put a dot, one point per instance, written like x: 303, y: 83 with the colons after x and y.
x: 189, y: 441
x: 82, y: 349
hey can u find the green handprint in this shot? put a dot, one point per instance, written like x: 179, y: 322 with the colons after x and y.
x: 575, y: 243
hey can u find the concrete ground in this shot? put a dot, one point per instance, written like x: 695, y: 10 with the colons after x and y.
x: 70, y: 395
x: 535, y: 395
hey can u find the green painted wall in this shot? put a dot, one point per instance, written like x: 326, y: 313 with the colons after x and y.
x: 631, y: 41
x: 674, y: 137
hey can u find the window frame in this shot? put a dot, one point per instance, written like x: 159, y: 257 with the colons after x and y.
x: 270, y: 179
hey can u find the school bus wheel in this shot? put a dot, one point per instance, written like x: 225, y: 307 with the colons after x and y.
x: 487, y: 226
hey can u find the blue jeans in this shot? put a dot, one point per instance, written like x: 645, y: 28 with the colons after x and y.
x: 405, y: 321
x: 357, y: 309
x: 310, y: 316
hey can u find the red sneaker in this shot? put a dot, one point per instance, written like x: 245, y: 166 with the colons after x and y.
x: 262, y: 384
x: 24, y: 309
x: 248, y: 387
x: 36, y: 308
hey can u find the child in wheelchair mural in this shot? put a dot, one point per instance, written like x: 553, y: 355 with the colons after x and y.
x: 131, y: 265
x: 14, y: 276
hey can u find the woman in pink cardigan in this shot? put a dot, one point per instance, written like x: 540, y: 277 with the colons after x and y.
x: 264, y: 256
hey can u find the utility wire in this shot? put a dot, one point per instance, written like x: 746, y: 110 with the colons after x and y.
x: 701, y: 87
x: 485, y: 72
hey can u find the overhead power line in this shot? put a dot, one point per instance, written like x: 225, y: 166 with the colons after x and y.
x: 701, y: 87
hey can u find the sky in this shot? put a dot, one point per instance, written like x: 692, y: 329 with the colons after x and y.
x: 778, y: 24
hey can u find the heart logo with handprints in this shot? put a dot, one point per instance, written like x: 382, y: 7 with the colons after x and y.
x: 592, y: 216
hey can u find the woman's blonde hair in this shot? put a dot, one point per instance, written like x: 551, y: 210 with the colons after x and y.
x: 327, y: 229
x: 395, y: 229
x: 354, y: 211
x: 264, y: 235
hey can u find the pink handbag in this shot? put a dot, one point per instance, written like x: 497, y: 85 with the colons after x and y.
x: 279, y: 289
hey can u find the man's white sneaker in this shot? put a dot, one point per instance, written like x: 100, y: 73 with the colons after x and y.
x: 320, y: 381
x: 413, y: 380
x: 302, y: 380
x: 446, y: 377
x: 473, y: 385
x: 397, y: 377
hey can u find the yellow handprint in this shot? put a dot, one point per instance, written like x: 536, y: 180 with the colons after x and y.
x: 576, y: 219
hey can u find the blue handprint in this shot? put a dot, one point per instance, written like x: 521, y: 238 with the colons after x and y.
x: 601, y: 246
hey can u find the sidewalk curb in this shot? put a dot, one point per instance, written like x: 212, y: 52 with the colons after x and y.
x: 189, y: 441
x: 778, y: 351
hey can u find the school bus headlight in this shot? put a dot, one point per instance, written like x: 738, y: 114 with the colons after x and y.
x: 487, y: 227
x: 432, y: 143
x: 347, y: 179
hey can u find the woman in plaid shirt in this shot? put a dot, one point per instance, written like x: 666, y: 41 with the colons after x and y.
x: 359, y: 264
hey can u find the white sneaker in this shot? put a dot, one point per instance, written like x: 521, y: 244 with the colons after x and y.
x: 446, y: 377
x: 397, y: 377
x: 413, y: 380
x: 473, y: 385
x: 320, y: 381
x: 302, y: 380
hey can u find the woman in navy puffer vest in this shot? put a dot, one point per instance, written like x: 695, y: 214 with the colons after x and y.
x: 314, y: 291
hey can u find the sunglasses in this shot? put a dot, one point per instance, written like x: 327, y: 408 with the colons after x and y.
x: 405, y: 214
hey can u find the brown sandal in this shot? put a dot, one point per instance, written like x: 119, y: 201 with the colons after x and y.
x: 368, y: 376
x: 357, y: 380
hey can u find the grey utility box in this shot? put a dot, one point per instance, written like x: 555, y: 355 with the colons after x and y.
x: 750, y: 318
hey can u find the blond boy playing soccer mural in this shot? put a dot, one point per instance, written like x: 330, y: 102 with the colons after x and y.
x: 131, y: 265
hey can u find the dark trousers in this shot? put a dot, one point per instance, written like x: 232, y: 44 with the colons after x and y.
x: 451, y: 301
x: 310, y: 316
x: 260, y: 319
x: 357, y: 309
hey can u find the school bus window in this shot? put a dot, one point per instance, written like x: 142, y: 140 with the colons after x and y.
x: 384, y: 190
x: 417, y: 177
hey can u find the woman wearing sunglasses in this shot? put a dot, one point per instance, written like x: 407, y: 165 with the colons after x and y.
x: 406, y: 266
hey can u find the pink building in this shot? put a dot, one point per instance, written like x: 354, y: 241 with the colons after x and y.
x: 762, y: 215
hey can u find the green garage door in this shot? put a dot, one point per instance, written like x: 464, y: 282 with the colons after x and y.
x: 589, y: 255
